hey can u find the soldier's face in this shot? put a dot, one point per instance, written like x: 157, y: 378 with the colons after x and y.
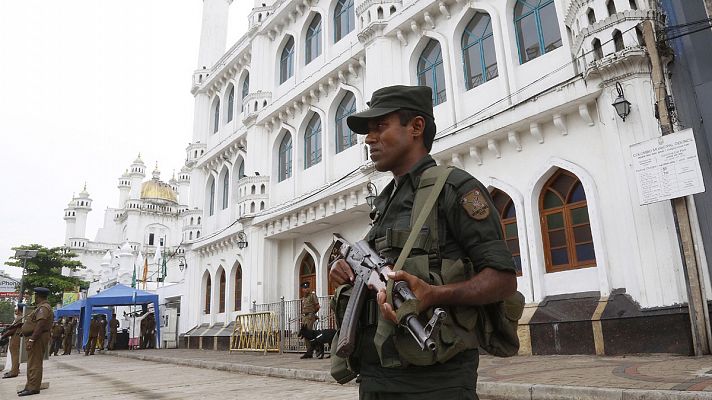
x: 389, y: 143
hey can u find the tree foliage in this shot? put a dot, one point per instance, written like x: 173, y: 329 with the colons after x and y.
x: 45, y: 270
x: 7, y: 312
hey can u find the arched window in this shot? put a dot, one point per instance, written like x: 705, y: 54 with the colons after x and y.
x: 285, y: 158
x: 216, y: 115
x: 566, y: 229
x: 241, y: 170
x: 312, y: 142
x: 478, y: 55
x: 313, y: 43
x: 591, y: 15
x: 344, y: 19
x: 508, y: 218
x: 208, y: 291
x: 431, y: 71
x: 611, y: 7
x: 198, y: 220
x: 536, y: 27
x: 618, y: 40
x: 212, y: 198
x: 286, y: 63
x: 245, y: 90
x: 238, y: 288
x: 633, y: 5
x: 307, y: 272
x: 197, y: 235
x: 345, y: 138
x: 230, y: 103
x: 190, y: 236
x: 597, y: 49
x: 221, y: 308
x: 225, y: 190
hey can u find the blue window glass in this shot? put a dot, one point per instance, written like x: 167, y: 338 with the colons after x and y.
x: 212, y: 198
x: 345, y: 138
x: 230, y: 103
x: 241, y: 170
x: 286, y: 63
x: 344, y: 19
x: 431, y: 71
x: 245, y: 90
x: 536, y: 27
x: 478, y: 55
x: 312, y: 142
x: 216, y: 115
x: 313, y: 42
x: 285, y: 158
x: 226, y: 190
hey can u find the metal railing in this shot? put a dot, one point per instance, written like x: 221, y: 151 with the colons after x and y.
x: 289, y: 314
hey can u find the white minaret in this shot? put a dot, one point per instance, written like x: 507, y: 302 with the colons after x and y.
x: 184, y: 186
x: 82, y: 206
x: 70, y: 215
x: 213, y: 33
x: 126, y: 264
x: 137, y: 172
x: 124, y: 188
x: 105, y: 268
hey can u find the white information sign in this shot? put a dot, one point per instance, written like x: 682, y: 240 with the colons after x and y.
x: 667, y: 167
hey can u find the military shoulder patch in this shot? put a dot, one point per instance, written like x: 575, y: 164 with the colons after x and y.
x: 475, y: 204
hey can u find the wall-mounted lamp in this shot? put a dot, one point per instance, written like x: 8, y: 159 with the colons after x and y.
x: 621, y: 105
x: 372, y: 193
x: 241, y: 240
x: 182, y: 264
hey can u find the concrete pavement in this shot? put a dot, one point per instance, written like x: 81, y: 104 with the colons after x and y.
x: 77, y: 377
x: 649, y: 377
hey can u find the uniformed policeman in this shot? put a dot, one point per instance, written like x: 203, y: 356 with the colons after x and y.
x: 310, y: 306
x: 14, y: 347
x: 69, y: 327
x: 113, y: 331
x: 102, y: 332
x: 400, y: 130
x: 57, y: 334
x: 37, y: 340
x: 94, y: 331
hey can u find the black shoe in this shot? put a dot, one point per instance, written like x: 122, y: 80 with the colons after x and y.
x: 7, y: 375
x: 28, y: 392
x: 306, y: 355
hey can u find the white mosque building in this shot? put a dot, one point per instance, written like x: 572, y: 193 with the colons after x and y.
x: 147, y: 219
x: 523, y: 93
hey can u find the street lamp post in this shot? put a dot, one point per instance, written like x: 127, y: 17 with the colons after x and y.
x: 24, y: 255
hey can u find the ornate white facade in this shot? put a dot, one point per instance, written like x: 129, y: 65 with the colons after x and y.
x: 539, y: 109
x: 149, y: 216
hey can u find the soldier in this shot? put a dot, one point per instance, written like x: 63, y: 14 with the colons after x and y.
x: 15, y: 333
x: 37, y: 339
x: 143, y: 328
x: 57, y: 336
x: 150, y: 331
x: 69, y: 327
x: 462, y: 247
x: 113, y: 331
x: 310, y: 306
x: 94, y: 329
x: 102, y: 332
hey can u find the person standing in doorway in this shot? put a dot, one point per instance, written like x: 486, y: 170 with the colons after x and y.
x: 310, y: 306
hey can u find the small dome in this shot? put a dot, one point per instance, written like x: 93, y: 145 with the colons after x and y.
x: 138, y: 160
x: 157, y: 190
x: 126, y: 247
x: 126, y: 174
x: 107, y: 257
x: 84, y: 194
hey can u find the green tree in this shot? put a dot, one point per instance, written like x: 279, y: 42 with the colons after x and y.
x: 7, y: 312
x: 45, y: 270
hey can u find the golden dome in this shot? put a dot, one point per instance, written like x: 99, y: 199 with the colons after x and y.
x: 157, y: 190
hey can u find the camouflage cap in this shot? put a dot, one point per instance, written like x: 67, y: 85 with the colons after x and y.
x: 390, y: 99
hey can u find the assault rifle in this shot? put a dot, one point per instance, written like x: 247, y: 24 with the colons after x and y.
x: 370, y: 270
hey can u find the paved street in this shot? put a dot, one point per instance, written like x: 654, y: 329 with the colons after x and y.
x: 105, y: 377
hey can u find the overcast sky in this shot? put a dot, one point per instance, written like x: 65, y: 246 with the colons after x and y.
x: 85, y: 86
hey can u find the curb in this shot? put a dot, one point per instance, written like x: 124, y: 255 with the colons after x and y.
x: 485, y: 389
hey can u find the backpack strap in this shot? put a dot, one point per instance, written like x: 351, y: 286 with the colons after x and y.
x: 431, y: 184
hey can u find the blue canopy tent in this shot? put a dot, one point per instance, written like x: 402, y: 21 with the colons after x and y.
x: 120, y: 295
x: 75, y: 310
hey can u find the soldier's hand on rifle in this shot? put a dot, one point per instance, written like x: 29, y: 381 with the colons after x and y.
x: 340, y: 272
x: 421, y: 289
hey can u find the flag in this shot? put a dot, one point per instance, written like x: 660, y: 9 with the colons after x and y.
x: 145, y: 271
